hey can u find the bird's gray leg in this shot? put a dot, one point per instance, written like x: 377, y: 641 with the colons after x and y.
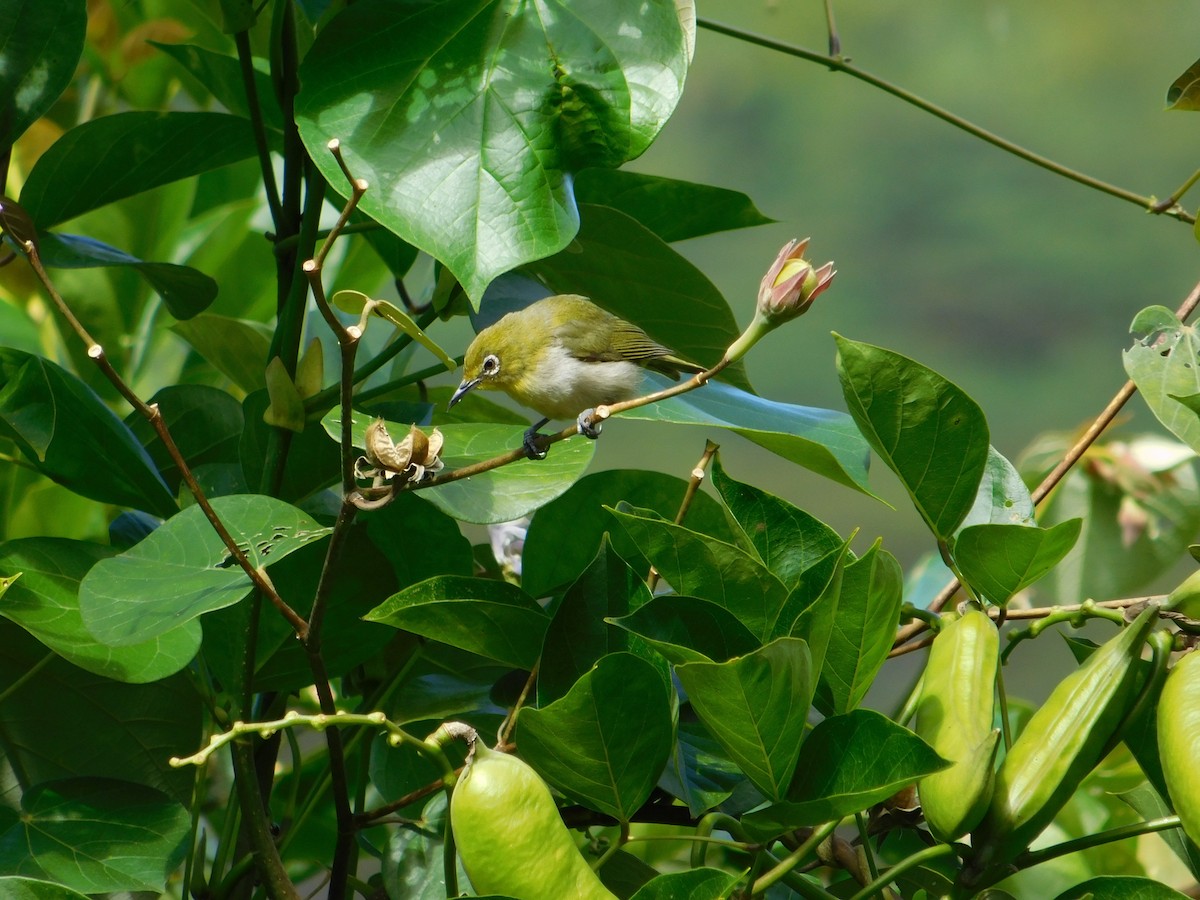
x: 587, y: 425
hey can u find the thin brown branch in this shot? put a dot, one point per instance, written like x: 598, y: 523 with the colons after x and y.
x: 697, y: 479
x: 151, y: 413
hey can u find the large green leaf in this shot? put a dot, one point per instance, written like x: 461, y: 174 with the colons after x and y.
x: 848, y: 764
x: 491, y: 618
x: 69, y: 435
x: 45, y: 602
x: 42, y: 44
x: 697, y: 565
x: 18, y: 888
x: 120, y: 836
x: 579, y: 634
x: 206, y: 425
x: 756, y: 706
x: 927, y: 431
x: 468, y: 118
x: 185, y: 291
x: 688, y: 629
x: 1121, y: 887
x: 672, y: 209
x: 864, y: 627
x: 549, y: 562
x: 142, y: 725
x: 117, y: 156
x: 606, y: 742
x: 787, y: 539
x: 1000, y: 560
x: 1162, y: 363
x: 822, y: 440
x: 629, y: 271
x: 501, y: 495
x: 183, y: 569
x: 694, y: 884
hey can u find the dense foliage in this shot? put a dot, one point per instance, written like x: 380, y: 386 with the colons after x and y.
x: 248, y: 638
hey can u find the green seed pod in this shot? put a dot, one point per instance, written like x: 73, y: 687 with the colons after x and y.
x: 1064, y: 740
x: 510, y: 836
x: 955, y: 716
x: 1179, y: 740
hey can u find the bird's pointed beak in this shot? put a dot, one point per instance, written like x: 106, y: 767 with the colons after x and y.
x: 462, y: 390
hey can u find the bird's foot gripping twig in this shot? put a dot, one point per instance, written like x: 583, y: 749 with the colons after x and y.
x: 532, y: 441
x: 588, y: 425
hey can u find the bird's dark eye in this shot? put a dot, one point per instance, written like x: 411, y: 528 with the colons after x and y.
x: 491, y: 364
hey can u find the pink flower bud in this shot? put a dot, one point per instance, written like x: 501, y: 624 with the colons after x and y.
x: 791, y: 284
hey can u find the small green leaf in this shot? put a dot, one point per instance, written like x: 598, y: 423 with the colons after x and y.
x: 287, y: 406
x: 606, y: 742
x: 45, y: 602
x: 491, y: 618
x: 355, y: 301
x: 1120, y: 887
x: 1000, y: 560
x: 688, y: 629
x: 122, y: 837
x: 863, y: 629
x: 42, y: 44
x: 927, y: 431
x: 697, y: 565
x: 1002, y: 497
x: 221, y: 76
x: 117, y: 156
x: 69, y: 435
x: 700, y: 774
x: 673, y: 210
x: 469, y: 137
x: 237, y: 348
x: 787, y: 539
x: 1184, y: 92
x: 144, y: 724
x: 1162, y: 363
x: 183, y: 570
x: 848, y: 764
x: 185, y: 291
x: 549, y: 562
x: 694, y: 884
x: 501, y: 495
x: 756, y: 706
x: 821, y: 440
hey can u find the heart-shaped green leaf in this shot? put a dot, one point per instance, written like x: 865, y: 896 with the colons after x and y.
x: 491, y: 618
x: 183, y: 569
x: 756, y: 706
x: 999, y: 560
x: 925, y: 428
x: 468, y: 118
x: 606, y: 742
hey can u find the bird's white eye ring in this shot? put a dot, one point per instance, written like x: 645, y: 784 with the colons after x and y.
x: 491, y: 364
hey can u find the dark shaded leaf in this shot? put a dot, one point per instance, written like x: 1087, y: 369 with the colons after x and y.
x: 42, y: 44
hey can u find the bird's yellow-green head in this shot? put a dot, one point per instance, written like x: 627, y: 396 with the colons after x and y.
x: 500, y: 356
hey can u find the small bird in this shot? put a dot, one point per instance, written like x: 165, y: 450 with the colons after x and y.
x: 563, y: 356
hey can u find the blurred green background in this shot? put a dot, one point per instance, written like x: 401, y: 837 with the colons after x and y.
x: 1014, y: 282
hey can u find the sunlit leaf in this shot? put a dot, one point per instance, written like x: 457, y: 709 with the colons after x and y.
x: 469, y: 134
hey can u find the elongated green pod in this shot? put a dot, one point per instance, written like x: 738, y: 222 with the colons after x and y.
x: 510, y: 836
x: 1064, y: 740
x: 955, y: 716
x: 1179, y: 740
